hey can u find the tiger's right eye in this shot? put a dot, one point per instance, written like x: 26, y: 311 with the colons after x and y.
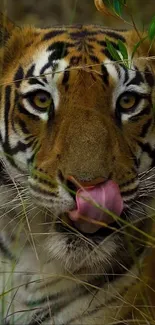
x: 40, y: 100
x: 128, y: 101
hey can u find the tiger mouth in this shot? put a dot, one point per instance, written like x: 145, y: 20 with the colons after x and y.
x: 68, y: 226
x: 99, y: 228
x: 97, y: 206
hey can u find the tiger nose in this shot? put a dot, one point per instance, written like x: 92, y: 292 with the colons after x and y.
x: 74, y: 184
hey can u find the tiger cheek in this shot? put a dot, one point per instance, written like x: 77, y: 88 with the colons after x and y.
x: 25, y: 127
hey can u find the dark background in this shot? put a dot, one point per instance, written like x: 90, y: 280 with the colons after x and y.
x: 49, y: 12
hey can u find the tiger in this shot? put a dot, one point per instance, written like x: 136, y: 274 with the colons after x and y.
x: 77, y: 175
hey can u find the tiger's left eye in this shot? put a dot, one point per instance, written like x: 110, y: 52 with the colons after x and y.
x: 127, y: 101
x: 41, y: 100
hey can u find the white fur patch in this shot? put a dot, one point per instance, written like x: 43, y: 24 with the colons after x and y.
x: 61, y: 66
x: 52, y: 76
x: 111, y: 69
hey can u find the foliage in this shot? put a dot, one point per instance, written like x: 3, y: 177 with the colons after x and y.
x: 116, y: 7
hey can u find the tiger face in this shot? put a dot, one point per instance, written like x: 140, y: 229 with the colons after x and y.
x: 76, y: 126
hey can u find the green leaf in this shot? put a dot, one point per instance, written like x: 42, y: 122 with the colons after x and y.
x: 113, y: 52
x: 123, y: 50
x: 117, y: 6
x: 151, y: 30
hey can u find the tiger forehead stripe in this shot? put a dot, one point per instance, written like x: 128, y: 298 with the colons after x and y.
x: 19, y: 75
x: 51, y: 34
x: 83, y: 32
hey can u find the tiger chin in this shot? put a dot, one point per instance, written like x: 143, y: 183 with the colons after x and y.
x: 77, y: 137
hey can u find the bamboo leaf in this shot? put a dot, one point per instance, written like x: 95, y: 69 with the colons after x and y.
x: 123, y: 50
x: 113, y: 52
x: 117, y: 7
x: 151, y: 30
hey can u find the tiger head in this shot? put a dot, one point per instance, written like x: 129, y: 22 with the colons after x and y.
x: 78, y: 127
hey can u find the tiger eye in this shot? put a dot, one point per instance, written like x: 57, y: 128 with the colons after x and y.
x: 127, y: 101
x: 42, y: 100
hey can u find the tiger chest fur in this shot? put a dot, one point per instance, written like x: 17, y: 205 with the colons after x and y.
x: 77, y: 141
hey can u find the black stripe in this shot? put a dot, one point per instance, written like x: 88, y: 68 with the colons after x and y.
x: 145, y: 128
x: 44, y: 68
x: 132, y: 180
x: 43, y: 181
x: 31, y: 144
x: 20, y: 146
x: 27, y: 113
x: 149, y: 77
x: 113, y: 34
x: 37, y: 189
x: 23, y: 126
x: 35, y: 81
x: 137, y: 80
x: 45, y: 80
x: 51, y: 114
x: 105, y: 75
x: 28, y: 44
x: 100, y: 307
x: 66, y: 77
x: 75, y: 60
x: 129, y: 192
x: 147, y: 148
x: 52, y: 310
x: 94, y: 59
x: 29, y: 137
x: 118, y: 269
x: 60, y: 50
x: 4, y: 177
x: 12, y: 119
x: 10, y: 158
x: 102, y: 43
x: 30, y: 72
x: 82, y: 34
x: 19, y: 76
x: 7, y: 107
x: 117, y: 67
x: 52, y: 34
x: 145, y: 111
x: 31, y: 159
x: 41, y: 301
x: 126, y: 70
x: 7, y: 110
x: 92, y: 39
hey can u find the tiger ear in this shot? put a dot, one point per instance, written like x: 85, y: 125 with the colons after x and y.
x: 6, y: 29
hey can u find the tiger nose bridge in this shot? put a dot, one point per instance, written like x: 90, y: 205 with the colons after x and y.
x: 80, y: 147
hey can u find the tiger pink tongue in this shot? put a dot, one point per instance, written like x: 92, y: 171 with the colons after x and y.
x: 106, y: 195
